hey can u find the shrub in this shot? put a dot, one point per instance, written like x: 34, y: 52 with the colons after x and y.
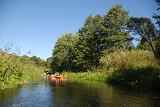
x: 15, y: 69
x: 135, y: 68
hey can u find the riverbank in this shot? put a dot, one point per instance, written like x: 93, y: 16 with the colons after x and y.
x: 134, y: 69
x: 28, y: 76
x: 85, y: 76
x: 16, y: 70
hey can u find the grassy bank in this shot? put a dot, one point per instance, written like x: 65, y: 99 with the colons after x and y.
x: 85, y: 76
x: 16, y: 70
x: 136, y: 68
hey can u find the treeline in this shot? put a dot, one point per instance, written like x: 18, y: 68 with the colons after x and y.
x: 104, y: 34
x: 16, y: 69
x: 39, y: 62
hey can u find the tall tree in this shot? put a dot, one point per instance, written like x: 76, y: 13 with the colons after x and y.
x: 62, y: 52
x: 115, y: 24
x: 99, y: 34
x: 91, y: 39
x: 145, y: 29
x: 116, y: 18
x: 103, y: 33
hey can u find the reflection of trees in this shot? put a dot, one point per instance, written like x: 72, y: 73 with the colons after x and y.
x: 99, y: 95
x: 76, y: 95
x: 8, y: 94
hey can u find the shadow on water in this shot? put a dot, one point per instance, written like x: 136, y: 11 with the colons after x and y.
x: 78, y: 94
x: 45, y: 93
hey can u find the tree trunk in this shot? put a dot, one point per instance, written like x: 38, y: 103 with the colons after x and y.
x: 153, y: 50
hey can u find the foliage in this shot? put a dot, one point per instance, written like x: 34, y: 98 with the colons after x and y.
x: 63, y: 52
x: 38, y: 61
x: 156, y: 16
x: 146, y: 30
x: 16, y: 70
x: 98, y: 35
x: 103, y: 48
x: 136, y: 77
x: 135, y: 68
x: 48, y: 62
x: 90, y: 42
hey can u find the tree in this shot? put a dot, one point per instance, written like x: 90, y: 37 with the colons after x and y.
x: 62, y: 52
x: 38, y: 61
x: 145, y: 29
x: 49, y: 61
x: 102, y: 33
x: 99, y: 34
x: 116, y: 18
x: 90, y: 41
x: 157, y: 17
x: 115, y: 24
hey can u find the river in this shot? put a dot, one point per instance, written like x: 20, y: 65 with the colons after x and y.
x: 43, y: 93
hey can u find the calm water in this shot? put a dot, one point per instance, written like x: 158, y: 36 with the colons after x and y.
x: 43, y: 93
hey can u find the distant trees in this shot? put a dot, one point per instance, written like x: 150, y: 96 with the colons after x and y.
x: 48, y: 62
x: 38, y: 61
x: 100, y: 34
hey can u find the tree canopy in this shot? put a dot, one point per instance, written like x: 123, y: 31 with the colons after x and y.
x: 98, y: 35
x: 102, y: 34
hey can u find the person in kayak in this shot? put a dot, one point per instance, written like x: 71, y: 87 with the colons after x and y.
x: 56, y: 74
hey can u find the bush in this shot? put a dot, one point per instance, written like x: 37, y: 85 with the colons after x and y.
x: 15, y: 69
x: 135, y: 68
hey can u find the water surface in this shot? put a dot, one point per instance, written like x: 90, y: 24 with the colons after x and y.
x: 43, y: 93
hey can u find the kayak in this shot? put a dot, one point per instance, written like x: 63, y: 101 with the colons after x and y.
x: 52, y: 77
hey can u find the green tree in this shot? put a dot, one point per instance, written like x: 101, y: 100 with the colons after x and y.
x: 115, y: 24
x: 116, y: 18
x: 48, y: 62
x: 102, y: 33
x: 98, y: 35
x: 38, y: 61
x: 145, y: 29
x: 90, y: 41
x: 62, y: 53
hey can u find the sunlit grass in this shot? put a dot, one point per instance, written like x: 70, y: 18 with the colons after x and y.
x: 89, y: 76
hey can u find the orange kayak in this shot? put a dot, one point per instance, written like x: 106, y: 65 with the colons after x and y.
x: 57, y: 77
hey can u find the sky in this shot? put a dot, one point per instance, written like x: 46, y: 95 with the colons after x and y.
x: 35, y: 25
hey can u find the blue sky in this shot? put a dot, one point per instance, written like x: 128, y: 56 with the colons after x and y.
x: 36, y: 24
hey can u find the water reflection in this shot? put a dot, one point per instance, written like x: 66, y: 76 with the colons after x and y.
x: 102, y: 95
x: 45, y: 93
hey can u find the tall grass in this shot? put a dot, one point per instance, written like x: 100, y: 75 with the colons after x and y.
x: 15, y: 70
x: 135, y: 68
x: 134, y: 58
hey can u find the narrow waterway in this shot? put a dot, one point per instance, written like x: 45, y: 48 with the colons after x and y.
x: 43, y: 93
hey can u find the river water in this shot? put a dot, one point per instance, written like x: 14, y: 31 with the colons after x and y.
x: 43, y: 93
